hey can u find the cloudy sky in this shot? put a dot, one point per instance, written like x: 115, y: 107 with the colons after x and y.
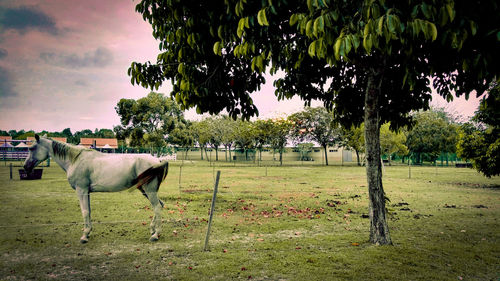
x: 63, y: 64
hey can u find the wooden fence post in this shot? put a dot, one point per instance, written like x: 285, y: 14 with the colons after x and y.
x: 180, y: 174
x: 212, y: 207
x: 409, y: 166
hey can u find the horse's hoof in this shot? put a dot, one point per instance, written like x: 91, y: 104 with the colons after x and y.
x: 153, y: 238
x: 84, y: 241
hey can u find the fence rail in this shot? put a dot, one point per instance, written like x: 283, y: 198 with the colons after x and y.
x: 13, y: 155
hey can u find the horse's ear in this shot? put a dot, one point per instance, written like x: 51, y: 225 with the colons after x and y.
x: 37, y: 137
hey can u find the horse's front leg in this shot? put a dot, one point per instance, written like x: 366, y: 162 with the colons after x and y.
x: 84, y: 197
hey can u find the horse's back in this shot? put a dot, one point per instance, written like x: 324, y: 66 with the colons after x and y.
x: 116, y: 172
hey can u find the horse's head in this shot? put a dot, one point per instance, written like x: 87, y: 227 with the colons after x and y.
x: 37, y: 154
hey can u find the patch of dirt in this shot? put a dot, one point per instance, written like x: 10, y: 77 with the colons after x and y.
x: 400, y: 204
x: 480, y: 206
x: 418, y: 216
x: 196, y: 190
x: 476, y: 185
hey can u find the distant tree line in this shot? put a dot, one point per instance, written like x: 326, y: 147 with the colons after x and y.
x: 156, y: 121
x: 66, y: 133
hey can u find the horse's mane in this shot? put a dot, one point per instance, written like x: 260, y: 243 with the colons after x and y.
x: 64, y: 150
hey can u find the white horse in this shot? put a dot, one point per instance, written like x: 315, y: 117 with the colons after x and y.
x: 91, y: 171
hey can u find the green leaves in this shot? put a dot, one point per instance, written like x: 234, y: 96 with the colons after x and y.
x: 180, y: 68
x: 294, y: 18
x: 428, y: 29
x: 319, y: 26
x: 258, y: 63
x: 336, y: 48
x: 450, y: 10
x: 368, y: 43
x: 218, y: 48
x: 432, y: 31
x: 312, y: 49
x: 261, y: 17
x: 242, y: 24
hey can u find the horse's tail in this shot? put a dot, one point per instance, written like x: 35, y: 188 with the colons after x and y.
x: 158, y: 171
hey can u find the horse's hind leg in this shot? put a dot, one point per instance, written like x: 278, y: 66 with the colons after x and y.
x: 84, y: 198
x: 152, y: 194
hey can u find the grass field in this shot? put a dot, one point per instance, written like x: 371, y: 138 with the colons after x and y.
x: 275, y: 223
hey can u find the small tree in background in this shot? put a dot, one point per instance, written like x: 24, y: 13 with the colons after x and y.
x: 244, y: 136
x: 392, y: 142
x: 182, y: 136
x: 263, y: 131
x: 354, y: 139
x: 215, y: 131
x: 432, y: 134
x: 279, y: 134
x: 316, y: 125
x: 227, y: 133
x: 202, y: 134
x: 480, y: 141
x: 305, y: 148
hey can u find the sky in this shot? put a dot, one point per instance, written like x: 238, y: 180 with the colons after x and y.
x: 63, y: 64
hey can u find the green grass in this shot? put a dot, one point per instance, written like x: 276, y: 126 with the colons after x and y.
x: 295, y: 223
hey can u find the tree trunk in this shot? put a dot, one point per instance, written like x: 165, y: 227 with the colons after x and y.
x: 217, y: 154
x: 357, y: 157
x: 326, y: 155
x: 379, y: 230
x: 201, y: 151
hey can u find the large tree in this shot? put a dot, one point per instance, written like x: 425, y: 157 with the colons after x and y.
x: 369, y: 58
x: 148, y: 120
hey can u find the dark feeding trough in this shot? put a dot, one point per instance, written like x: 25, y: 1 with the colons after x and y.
x: 35, y: 175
